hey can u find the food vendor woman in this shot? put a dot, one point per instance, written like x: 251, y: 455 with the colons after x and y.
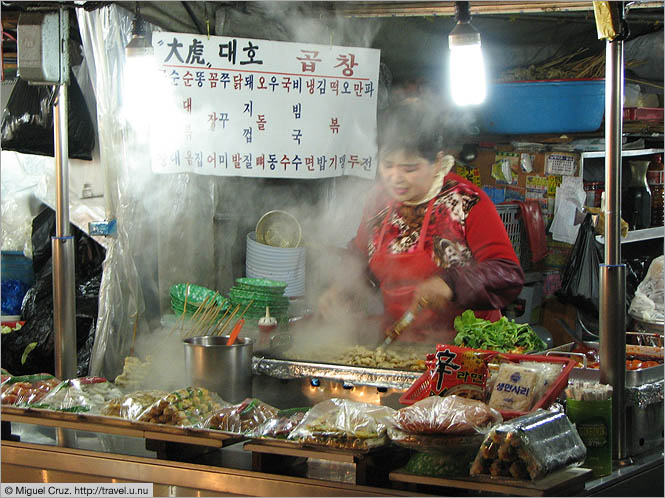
x: 428, y: 236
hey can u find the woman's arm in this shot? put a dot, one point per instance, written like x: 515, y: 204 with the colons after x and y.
x: 495, y: 278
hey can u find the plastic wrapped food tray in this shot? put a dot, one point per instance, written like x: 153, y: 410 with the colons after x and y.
x: 530, y: 446
x: 346, y: 424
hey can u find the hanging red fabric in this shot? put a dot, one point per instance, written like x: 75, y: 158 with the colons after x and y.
x: 535, y: 229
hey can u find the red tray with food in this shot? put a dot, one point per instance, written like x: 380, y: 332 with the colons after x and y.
x: 547, y: 393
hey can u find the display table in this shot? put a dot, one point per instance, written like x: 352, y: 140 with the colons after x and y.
x: 227, y: 466
x: 567, y: 482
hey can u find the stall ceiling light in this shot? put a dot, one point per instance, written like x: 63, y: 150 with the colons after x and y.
x: 467, y: 68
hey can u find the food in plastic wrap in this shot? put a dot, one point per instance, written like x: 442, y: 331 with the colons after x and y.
x: 26, y: 389
x: 131, y: 405
x: 188, y: 407
x: 530, y: 446
x: 448, y: 415
x: 86, y: 394
x: 281, y: 426
x: 242, y: 417
x: 515, y: 388
x: 342, y: 423
x: 134, y: 372
x: 547, y: 375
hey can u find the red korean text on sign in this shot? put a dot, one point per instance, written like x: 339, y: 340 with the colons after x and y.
x: 348, y: 62
x: 308, y: 62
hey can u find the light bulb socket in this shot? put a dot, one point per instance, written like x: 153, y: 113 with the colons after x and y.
x: 462, y: 12
x: 463, y: 34
x: 138, y: 46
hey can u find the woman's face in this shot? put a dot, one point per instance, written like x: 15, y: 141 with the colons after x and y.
x: 406, y: 175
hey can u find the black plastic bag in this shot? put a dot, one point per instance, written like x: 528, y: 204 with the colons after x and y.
x: 37, y: 309
x: 27, y: 121
x: 580, y: 283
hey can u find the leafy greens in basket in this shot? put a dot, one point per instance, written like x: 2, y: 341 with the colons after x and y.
x: 503, y: 335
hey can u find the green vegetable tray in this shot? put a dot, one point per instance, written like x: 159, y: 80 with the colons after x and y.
x: 504, y: 335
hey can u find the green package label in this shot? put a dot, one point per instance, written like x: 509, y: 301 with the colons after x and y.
x: 593, y: 432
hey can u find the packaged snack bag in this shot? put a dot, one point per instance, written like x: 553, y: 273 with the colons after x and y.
x: 459, y: 371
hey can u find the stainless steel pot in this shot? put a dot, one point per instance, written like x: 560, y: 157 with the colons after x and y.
x: 226, y: 370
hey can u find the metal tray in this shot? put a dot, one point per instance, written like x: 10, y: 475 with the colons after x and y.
x: 634, y: 378
x: 361, y: 376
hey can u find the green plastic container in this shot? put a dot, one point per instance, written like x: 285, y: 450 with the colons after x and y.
x: 593, y: 420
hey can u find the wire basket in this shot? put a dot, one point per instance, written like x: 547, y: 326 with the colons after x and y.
x: 512, y: 219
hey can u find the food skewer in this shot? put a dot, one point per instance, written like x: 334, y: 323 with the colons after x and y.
x: 213, y: 320
x: 196, y: 313
x: 220, y: 322
x: 212, y: 305
x: 228, y: 320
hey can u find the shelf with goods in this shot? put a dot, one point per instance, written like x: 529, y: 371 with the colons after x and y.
x: 638, y: 235
x: 596, y: 154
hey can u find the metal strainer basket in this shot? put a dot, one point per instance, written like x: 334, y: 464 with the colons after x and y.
x: 279, y: 229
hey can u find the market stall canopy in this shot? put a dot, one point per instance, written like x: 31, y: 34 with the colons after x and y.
x: 513, y: 33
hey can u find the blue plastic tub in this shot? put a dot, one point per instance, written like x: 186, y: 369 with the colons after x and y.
x: 558, y: 106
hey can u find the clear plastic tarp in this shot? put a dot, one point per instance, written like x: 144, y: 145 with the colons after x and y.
x: 164, y: 222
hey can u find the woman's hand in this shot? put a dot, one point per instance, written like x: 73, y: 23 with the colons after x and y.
x: 433, y: 293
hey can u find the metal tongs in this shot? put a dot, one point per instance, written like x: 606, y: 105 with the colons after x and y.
x: 404, y: 322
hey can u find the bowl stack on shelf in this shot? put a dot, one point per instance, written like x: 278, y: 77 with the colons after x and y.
x: 189, y: 297
x: 259, y: 293
x: 285, y: 264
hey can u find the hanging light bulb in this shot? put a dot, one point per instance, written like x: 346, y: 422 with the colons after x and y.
x: 467, y: 69
x: 140, y: 69
x: 149, y: 105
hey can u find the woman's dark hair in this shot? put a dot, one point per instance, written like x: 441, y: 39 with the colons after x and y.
x: 411, y: 126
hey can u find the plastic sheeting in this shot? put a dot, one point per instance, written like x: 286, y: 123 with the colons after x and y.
x: 648, y: 301
x: 165, y: 222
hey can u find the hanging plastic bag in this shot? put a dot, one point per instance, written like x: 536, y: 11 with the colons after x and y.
x: 648, y: 301
x: 27, y: 121
x: 580, y: 281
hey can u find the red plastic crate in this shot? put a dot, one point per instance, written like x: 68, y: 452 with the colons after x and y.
x: 420, y: 388
x: 643, y: 113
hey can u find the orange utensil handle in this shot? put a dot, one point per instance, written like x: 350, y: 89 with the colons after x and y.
x: 235, y: 331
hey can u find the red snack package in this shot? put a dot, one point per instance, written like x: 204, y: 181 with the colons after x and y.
x: 459, y: 371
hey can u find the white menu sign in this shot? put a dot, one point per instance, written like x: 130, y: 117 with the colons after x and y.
x: 259, y: 108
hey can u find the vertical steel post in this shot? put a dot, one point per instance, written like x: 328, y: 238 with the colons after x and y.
x: 64, y: 297
x: 62, y: 248
x: 613, y: 274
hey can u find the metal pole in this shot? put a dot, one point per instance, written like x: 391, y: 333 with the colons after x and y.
x: 613, y: 274
x: 62, y: 245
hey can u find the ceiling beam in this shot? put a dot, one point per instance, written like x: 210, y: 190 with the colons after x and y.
x: 447, y: 9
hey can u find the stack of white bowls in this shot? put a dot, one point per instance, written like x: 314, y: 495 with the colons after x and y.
x: 284, y: 264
